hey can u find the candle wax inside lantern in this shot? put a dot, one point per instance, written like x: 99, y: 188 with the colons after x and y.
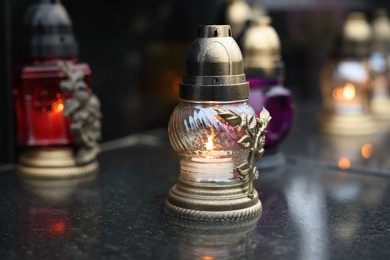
x: 215, y: 165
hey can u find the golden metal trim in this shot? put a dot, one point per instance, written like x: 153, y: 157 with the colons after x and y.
x: 212, y: 201
x: 52, y: 163
x: 253, y: 140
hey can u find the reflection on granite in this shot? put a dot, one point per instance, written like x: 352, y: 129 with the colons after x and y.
x: 347, y: 152
x: 59, y: 219
x: 219, y: 240
x: 318, y: 214
x: 306, y: 202
x: 311, y: 209
x: 305, y: 144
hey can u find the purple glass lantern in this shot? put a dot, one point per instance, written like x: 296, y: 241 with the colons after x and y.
x: 277, y: 100
x: 264, y: 70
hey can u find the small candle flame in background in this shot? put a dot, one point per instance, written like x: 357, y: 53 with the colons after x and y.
x: 210, y: 144
x: 344, y: 163
x: 348, y: 92
x: 59, y: 103
x: 54, y: 105
x: 57, y: 106
x: 60, y: 107
x: 367, y: 150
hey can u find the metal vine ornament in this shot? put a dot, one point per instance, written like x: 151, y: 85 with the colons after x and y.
x: 254, y: 140
x: 84, y: 110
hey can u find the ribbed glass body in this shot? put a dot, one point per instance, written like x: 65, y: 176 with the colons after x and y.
x: 207, y: 145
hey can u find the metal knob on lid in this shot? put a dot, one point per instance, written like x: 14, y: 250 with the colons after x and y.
x: 214, y: 68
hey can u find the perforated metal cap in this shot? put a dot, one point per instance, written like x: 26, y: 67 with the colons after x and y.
x: 214, y: 69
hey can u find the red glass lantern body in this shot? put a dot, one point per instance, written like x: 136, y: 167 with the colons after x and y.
x: 40, y: 105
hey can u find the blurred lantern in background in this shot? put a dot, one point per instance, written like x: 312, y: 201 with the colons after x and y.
x: 165, y: 62
x: 379, y: 65
x: 310, y: 32
x: 345, y: 83
x: 265, y: 72
x: 58, y: 117
x: 237, y: 14
x: 214, y: 130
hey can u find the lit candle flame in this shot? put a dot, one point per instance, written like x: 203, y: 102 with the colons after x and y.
x: 348, y: 92
x: 209, y: 144
x: 344, y: 163
x: 58, y: 106
x: 367, y: 150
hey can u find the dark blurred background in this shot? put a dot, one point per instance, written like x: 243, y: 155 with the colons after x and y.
x: 136, y: 50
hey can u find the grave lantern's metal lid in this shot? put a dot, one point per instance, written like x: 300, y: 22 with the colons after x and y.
x: 356, y: 36
x: 261, y: 47
x: 214, y: 69
x: 48, y: 31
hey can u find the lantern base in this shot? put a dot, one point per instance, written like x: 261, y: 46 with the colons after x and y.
x: 381, y: 110
x: 52, y: 163
x: 352, y: 125
x: 212, y: 201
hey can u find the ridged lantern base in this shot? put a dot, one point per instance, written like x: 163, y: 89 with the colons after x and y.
x: 352, y: 125
x: 209, y: 201
x: 52, y: 163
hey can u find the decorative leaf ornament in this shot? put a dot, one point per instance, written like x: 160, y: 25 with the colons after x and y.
x: 229, y: 116
x: 253, y: 140
x: 83, y: 108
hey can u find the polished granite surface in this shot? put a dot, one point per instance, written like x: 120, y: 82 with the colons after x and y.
x: 311, y: 208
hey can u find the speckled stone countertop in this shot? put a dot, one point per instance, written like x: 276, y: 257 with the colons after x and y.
x: 311, y: 209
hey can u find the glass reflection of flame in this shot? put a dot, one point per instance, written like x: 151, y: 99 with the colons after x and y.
x: 348, y: 92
